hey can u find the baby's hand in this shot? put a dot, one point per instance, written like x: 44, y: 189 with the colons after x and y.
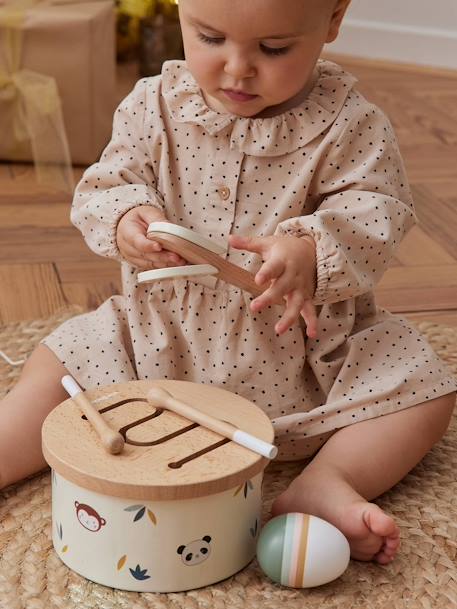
x: 289, y: 270
x: 135, y: 247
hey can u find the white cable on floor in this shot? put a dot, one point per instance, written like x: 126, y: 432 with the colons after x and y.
x: 10, y: 361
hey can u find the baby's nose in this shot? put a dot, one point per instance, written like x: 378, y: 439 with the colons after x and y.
x: 238, y: 67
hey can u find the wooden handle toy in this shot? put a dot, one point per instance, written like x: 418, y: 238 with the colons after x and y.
x: 199, y: 251
x: 112, y: 440
x: 161, y: 398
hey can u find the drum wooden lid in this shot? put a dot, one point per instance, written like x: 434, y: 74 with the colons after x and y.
x: 165, y: 455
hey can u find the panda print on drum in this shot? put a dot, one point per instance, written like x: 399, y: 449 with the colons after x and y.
x: 196, y: 551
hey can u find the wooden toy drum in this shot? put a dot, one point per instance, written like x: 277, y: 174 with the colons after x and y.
x: 178, y: 508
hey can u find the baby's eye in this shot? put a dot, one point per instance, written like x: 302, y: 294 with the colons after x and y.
x: 210, y: 39
x: 273, y: 50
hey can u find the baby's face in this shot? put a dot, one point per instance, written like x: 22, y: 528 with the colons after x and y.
x: 250, y: 55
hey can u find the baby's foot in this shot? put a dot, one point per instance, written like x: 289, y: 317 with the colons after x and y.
x: 372, y: 534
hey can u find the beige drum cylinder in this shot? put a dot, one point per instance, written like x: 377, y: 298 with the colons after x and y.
x: 178, y: 508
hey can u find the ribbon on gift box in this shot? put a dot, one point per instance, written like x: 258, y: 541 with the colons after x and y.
x: 36, y: 108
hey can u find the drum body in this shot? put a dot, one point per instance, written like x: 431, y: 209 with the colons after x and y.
x: 178, y: 509
x: 161, y: 546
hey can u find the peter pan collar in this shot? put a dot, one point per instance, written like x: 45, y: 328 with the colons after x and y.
x: 272, y: 136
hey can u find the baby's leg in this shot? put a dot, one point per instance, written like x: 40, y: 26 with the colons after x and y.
x: 22, y: 412
x: 359, y: 463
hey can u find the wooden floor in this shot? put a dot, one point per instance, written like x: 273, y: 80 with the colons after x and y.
x: 45, y: 264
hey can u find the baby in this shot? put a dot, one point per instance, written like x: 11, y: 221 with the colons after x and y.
x: 255, y: 142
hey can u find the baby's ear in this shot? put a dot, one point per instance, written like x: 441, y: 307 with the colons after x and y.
x: 338, y: 13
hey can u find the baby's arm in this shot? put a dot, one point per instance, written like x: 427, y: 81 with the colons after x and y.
x: 365, y: 208
x: 123, y: 179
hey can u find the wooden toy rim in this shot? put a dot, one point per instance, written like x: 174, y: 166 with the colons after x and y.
x: 154, y: 492
x: 249, y: 466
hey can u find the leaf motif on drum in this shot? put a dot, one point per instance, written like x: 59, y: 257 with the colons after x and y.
x: 245, y: 487
x: 152, y: 517
x: 59, y: 529
x: 139, y: 573
x: 141, y: 510
x: 254, y: 530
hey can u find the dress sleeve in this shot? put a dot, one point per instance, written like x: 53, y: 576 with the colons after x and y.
x: 364, y: 207
x: 122, y: 179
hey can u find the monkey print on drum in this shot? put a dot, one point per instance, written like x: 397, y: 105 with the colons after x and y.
x: 88, y: 517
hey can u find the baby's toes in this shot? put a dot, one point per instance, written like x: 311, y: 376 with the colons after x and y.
x: 380, y: 523
x: 388, y: 550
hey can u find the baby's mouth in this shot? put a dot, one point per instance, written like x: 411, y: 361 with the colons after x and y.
x: 240, y: 96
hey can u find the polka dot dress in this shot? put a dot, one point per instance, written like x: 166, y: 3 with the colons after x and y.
x: 329, y: 168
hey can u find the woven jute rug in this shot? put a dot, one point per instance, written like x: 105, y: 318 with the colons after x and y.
x: 423, y: 576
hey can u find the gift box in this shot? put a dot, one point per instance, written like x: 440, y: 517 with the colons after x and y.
x: 57, y: 79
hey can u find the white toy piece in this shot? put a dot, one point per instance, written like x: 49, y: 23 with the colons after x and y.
x: 189, y: 235
x: 173, y: 272
x: 203, y: 254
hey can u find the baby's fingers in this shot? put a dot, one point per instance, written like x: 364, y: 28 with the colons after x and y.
x: 139, y: 263
x: 271, y: 269
x: 251, y: 244
x: 276, y: 291
x: 294, y: 304
x: 153, y: 260
x: 308, y: 312
x: 265, y: 299
x: 152, y: 250
x: 144, y: 245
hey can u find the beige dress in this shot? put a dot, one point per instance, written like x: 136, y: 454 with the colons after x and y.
x: 329, y: 168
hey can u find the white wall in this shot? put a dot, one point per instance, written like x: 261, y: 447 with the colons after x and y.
x: 410, y: 31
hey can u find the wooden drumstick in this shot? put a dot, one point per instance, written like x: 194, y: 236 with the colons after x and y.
x: 160, y: 398
x: 111, y: 440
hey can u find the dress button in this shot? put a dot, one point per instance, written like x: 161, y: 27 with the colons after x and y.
x: 224, y: 192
